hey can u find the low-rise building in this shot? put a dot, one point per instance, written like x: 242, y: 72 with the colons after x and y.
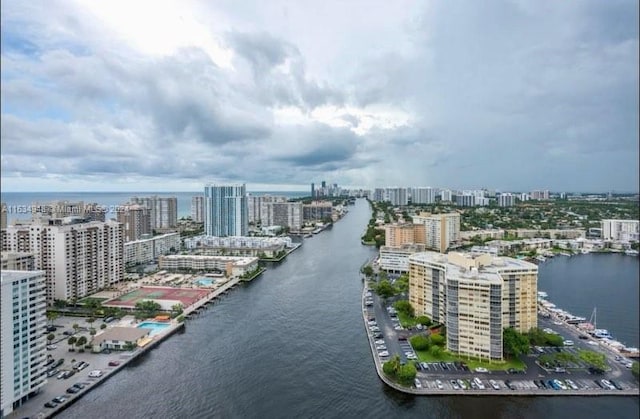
x: 18, y: 261
x: 233, y: 266
x: 395, y: 259
x: 120, y: 338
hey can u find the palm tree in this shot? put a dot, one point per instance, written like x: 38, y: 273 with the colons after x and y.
x: 51, y: 316
x: 76, y: 327
x: 71, y: 341
x: 50, y: 337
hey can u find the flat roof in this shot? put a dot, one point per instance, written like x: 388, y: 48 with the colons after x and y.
x: 10, y: 276
x: 127, y: 334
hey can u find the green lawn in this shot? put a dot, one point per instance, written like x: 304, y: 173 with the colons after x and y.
x: 426, y: 356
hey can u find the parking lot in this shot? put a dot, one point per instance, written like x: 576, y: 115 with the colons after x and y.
x: 389, y: 340
x: 59, y: 351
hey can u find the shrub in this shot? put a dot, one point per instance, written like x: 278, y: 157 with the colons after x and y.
x: 438, y: 339
x: 420, y: 342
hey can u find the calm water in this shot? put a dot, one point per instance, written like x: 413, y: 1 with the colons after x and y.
x: 292, y: 344
x: 608, y: 282
x: 109, y: 199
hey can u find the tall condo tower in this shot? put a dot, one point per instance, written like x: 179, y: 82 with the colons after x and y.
x: 226, y: 211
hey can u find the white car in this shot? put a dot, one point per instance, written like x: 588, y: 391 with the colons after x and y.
x: 383, y: 353
x: 417, y: 383
x: 379, y: 342
x: 372, y: 323
x: 398, y: 328
x: 95, y: 374
x: 568, y: 343
x: 439, y: 384
x: 494, y: 384
x: 481, y: 369
x: 381, y: 347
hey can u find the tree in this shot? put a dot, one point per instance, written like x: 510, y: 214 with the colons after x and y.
x: 595, y: 359
x: 635, y: 369
x: 436, y: 351
x: 392, y: 366
x: 423, y: 320
x: 367, y: 271
x: 514, y: 343
x: 103, y: 326
x: 438, y: 339
x: 76, y: 327
x: 71, y: 341
x: 405, y: 307
x: 402, y: 283
x: 419, y: 342
x: 407, y: 374
x: 51, y: 316
x: 50, y: 337
x: 384, y: 289
x: 92, y: 332
x: 90, y: 320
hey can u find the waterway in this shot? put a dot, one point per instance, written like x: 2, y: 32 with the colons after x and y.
x: 292, y: 344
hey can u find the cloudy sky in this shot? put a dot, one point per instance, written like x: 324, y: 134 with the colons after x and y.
x: 167, y: 96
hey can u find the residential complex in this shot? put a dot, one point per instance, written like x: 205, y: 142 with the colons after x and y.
x: 238, y: 245
x: 399, y: 234
x: 225, y: 210
x: 136, y: 220
x: 18, y: 261
x: 423, y: 195
x: 506, y: 200
x: 197, y: 209
x: 476, y: 297
x: 148, y: 250
x: 163, y: 211
x: 22, y: 337
x: 79, y: 258
x: 260, y: 207
x: 540, y: 195
x: 437, y: 231
x: 622, y: 230
x: 317, y: 210
x: 232, y: 266
x: 284, y: 214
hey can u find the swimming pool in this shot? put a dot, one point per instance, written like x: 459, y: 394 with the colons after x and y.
x: 155, y: 327
x: 207, y: 282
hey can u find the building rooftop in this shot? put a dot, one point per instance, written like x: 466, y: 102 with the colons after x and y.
x: 10, y: 276
x: 126, y: 334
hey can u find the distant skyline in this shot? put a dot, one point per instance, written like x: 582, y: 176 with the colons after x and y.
x: 172, y: 95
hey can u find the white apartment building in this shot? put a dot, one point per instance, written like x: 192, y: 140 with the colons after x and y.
x: 506, y: 200
x: 163, y: 211
x: 78, y: 258
x: 620, y: 230
x: 397, y: 196
x: 476, y: 297
x: 197, y: 208
x: 148, y: 250
x: 540, y: 195
x: 22, y: 337
x: 423, y: 195
x: 18, y: 261
x: 260, y: 209
x: 236, y: 242
x: 437, y: 231
x: 395, y: 259
x: 378, y: 195
x: 232, y: 265
x: 446, y: 195
x: 284, y: 214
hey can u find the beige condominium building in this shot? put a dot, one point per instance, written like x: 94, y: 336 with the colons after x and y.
x: 396, y: 235
x: 476, y: 297
x: 437, y: 231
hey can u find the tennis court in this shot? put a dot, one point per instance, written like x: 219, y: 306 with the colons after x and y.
x: 186, y: 296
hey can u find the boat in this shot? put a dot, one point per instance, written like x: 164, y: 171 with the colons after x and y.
x: 631, y: 252
x: 542, y: 294
x: 601, y: 334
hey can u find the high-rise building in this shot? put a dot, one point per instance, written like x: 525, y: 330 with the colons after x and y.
x: 540, y: 195
x: 378, y: 195
x: 397, y: 196
x: 22, y: 337
x: 313, y: 190
x: 18, y: 261
x: 506, y: 200
x: 437, y: 231
x: 285, y: 214
x: 136, y: 220
x: 476, y: 297
x: 197, y: 209
x: 317, y: 211
x: 226, y: 211
x: 162, y: 211
x: 260, y: 210
x: 397, y: 235
x: 446, y: 195
x: 423, y: 195
x: 79, y: 259
x: 621, y: 230
x: 3, y: 215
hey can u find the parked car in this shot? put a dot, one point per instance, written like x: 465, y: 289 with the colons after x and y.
x: 417, y: 383
x: 95, y: 374
x: 481, y: 369
x: 73, y: 390
x: 51, y: 404
x: 60, y: 399
x: 439, y: 384
x: 52, y: 372
x: 494, y: 384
